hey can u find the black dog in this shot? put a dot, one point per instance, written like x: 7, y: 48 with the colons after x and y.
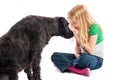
x: 21, y: 46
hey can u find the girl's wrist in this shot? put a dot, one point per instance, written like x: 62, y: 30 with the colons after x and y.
x: 77, y: 55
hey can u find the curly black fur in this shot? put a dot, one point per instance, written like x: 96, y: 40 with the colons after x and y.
x: 21, y: 46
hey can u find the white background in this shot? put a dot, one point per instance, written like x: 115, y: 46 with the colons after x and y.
x: 105, y: 12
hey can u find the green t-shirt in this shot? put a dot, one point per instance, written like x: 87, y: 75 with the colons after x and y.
x: 95, y: 30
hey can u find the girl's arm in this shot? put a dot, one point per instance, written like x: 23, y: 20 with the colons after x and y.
x: 88, y: 47
x: 77, y: 50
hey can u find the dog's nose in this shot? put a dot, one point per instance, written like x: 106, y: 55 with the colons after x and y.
x: 69, y: 35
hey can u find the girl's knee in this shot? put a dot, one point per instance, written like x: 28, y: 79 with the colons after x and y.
x: 87, y: 61
x: 54, y: 56
x: 92, y: 63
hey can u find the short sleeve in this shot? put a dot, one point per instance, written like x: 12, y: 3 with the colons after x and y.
x: 94, y: 29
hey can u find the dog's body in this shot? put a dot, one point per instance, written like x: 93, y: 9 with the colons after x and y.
x: 21, y: 46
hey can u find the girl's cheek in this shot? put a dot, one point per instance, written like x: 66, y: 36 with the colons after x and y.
x: 70, y: 27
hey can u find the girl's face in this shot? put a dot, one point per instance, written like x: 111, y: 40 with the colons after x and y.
x: 73, y: 23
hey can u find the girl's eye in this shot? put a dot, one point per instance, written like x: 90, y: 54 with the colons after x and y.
x: 73, y: 22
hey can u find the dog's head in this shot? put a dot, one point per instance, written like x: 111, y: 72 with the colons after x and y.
x: 63, y: 28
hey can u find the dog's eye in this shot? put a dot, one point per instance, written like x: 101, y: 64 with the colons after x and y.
x: 68, y: 23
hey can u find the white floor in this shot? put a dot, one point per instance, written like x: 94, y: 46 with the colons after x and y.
x: 105, y: 12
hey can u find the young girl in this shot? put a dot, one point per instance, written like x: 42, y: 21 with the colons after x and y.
x: 89, y: 44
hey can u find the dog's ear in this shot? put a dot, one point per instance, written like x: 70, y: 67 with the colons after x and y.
x: 62, y: 20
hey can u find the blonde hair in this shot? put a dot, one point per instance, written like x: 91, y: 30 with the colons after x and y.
x: 84, y: 19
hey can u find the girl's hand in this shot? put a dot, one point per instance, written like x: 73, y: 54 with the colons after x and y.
x: 77, y: 55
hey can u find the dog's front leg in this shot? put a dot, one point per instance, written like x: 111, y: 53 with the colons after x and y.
x: 36, y: 67
x: 29, y: 73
